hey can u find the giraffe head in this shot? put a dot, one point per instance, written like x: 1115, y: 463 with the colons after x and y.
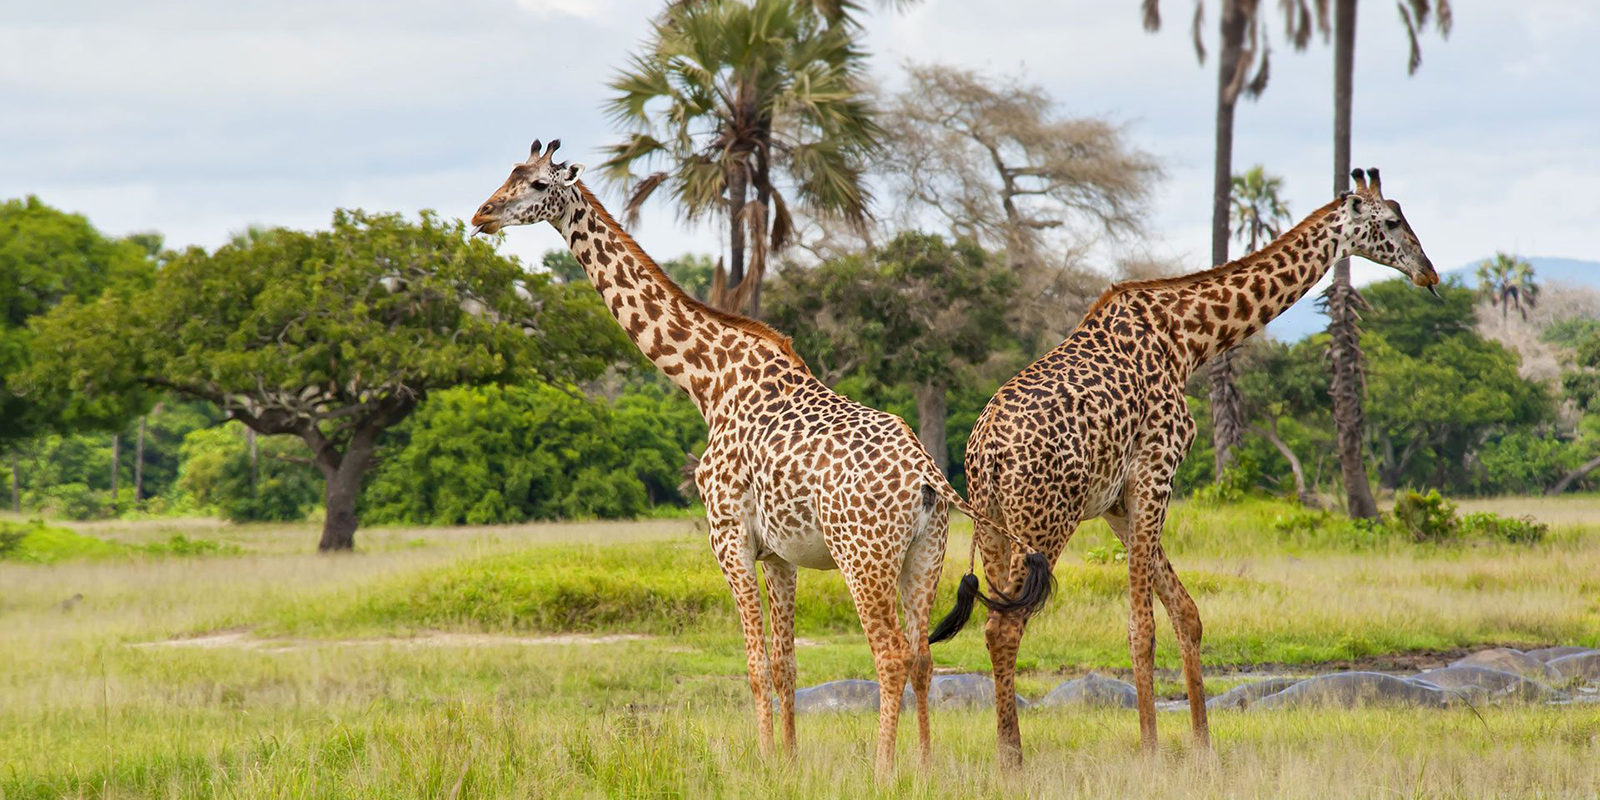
x: 1378, y: 231
x: 537, y: 190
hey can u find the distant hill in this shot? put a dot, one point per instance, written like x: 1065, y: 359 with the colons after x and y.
x: 1303, y: 319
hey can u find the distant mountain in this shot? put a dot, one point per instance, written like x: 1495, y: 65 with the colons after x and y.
x: 1303, y: 319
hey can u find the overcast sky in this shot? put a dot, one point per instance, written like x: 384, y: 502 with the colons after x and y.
x: 196, y: 118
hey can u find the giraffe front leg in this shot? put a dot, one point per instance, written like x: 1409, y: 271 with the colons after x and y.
x: 737, y: 560
x: 1142, y: 636
x: 781, y: 583
x: 1185, y: 616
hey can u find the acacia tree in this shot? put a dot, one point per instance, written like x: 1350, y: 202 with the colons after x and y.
x: 909, y: 312
x: 332, y: 336
x: 1507, y: 281
x: 1243, y: 66
x: 728, y: 97
x: 996, y: 160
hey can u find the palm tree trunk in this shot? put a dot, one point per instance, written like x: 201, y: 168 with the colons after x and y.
x: 932, y: 412
x: 1226, y: 422
x: 736, y: 194
x: 1348, y: 383
x: 255, y: 474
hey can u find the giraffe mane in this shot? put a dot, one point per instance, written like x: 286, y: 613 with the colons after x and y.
x: 1118, y: 289
x: 741, y: 322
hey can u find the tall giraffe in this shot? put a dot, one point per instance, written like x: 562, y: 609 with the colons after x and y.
x: 1098, y: 425
x: 794, y: 475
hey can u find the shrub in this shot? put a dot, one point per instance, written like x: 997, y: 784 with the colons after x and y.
x: 77, y: 501
x: 37, y: 543
x: 180, y: 545
x: 1426, y: 517
x: 1519, y: 530
x: 1111, y: 553
x: 1238, y: 481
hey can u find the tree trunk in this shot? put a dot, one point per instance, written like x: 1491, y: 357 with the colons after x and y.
x: 1348, y: 383
x: 16, y: 485
x: 138, y: 461
x: 1226, y: 430
x: 1560, y: 486
x: 932, y: 411
x: 255, y: 471
x: 736, y: 193
x: 1270, y: 433
x: 116, y: 461
x: 1226, y: 425
x: 339, y: 498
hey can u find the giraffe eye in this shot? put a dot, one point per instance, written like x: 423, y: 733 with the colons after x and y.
x: 1391, y: 224
x: 540, y: 186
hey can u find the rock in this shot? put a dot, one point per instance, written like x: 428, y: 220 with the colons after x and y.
x: 849, y: 695
x: 1094, y: 691
x: 1548, y: 654
x: 1578, y: 666
x: 1492, y: 684
x: 1353, y: 690
x: 1506, y: 659
x: 964, y: 691
x: 1244, y: 695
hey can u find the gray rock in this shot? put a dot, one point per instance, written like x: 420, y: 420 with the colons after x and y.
x: 1578, y: 666
x: 849, y: 695
x: 1506, y: 659
x: 1244, y: 695
x: 1353, y: 690
x: 1548, y: 654
x: 1093, y: 690
x: 964, y: 691
x: 1491, y: 684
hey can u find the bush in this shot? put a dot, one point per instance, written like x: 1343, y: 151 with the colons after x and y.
x: 1426, y: 517
x: 37, y: 543
x: 1521, y: 530
x: 77, y: 501
x: 1238, y: 481
x: 216, y: 474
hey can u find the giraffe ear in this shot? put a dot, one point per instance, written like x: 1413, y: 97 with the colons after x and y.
x: 570, y: 173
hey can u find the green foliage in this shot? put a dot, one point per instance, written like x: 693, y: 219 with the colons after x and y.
x: 508, y: 454
x: 1507, y: 281
x: 692, y: 273
x: 216, y: 474
x: 179, y: 545
x: 1526, y: 462
x: 1112, y: 552
x: 1517, y: 530
x: 37, y: 543
x: 1426, y: 517
x: 730, y: 95
x: 563, y: 266
x: 48, y: 256
x: 1238, y: 481
x: 1581, y: 381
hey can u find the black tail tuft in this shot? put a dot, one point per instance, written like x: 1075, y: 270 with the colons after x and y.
x: 1037, y: 585
x: 954, y: 621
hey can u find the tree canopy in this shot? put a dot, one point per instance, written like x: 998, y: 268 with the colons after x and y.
x: 332, y: 336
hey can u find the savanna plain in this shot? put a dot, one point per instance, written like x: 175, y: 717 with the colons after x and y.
x: 603, y: 659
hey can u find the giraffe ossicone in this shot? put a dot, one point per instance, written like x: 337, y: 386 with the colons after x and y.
x: 1097, y: 427
x: 793, y: 475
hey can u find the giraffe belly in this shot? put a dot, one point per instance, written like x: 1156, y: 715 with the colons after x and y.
x: 790, y: 537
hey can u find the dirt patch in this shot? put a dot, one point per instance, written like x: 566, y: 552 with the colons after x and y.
x: 240, y: 639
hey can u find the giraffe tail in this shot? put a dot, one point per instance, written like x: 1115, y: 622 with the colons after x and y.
x: 1037, y: 582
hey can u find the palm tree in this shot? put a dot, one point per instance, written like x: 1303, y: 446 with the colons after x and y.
x: 1506, y: 280
x: 727, y: 96
x: 1258, y: 213
x: 1341, y: 301
x: 1244, y: 54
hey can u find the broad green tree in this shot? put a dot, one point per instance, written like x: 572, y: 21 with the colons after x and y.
x: 1283, y: 384
x: 332, y: 336
x: 1507, y: 281
x: 47, y: 256
x: 740, y: 108
x: 911, y: 312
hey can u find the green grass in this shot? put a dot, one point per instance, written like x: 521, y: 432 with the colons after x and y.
x: 38, y: 543
x: 330, y: 706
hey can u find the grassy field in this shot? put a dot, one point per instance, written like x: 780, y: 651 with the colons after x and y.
x: 447, y: 663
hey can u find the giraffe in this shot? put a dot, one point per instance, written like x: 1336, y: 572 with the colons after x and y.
x: 793, y: 475
x: 1097, y: 426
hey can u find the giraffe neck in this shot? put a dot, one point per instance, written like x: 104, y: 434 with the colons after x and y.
x: 1214, y: 310
x: 705, y: 351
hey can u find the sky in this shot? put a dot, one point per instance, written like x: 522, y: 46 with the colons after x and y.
x: 196, y: 118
